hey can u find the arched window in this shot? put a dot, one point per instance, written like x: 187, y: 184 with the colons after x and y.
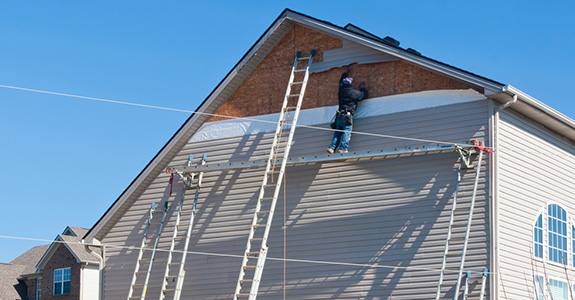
x: 557, y: 237
x: 538, y: 237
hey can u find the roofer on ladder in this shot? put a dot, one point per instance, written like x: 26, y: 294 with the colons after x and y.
x: 348, y: 99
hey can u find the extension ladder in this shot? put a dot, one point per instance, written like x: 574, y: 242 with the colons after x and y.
x: 142, y: 261
x: 257, y: 248
x: 467, y: 294
x: 172, y: 283
x: 450, y: 242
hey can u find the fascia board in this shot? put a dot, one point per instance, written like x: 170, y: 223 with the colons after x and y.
x: 540, y: 106
x: 489, y: 87
x: 48, y: 254
x: 185, y: 130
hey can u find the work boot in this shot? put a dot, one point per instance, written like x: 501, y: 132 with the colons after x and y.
x: 343, y: 151
x: 330, y: 151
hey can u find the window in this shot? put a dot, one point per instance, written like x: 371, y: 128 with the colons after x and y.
x: 558, y: 289
x: 38, y: 288
x: 557, y: 227
x: 539, y: 288
x: 62, y: 281
x: 538, y: 237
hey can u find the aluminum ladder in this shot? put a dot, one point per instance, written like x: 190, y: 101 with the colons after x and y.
x: 481, y: 294
x: 450, y: 242
x: 173, y: 282
x: 149, y: 261
x: 256, y: 249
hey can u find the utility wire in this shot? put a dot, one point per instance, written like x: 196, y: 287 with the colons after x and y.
x: 323, y: 262
x: 223, y: 116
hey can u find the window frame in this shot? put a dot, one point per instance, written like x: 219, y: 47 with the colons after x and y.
x: 61, y: 279
x: 539, y: 278
x: 543, y: 243
x: 549, y: 237
x: 565, y: 286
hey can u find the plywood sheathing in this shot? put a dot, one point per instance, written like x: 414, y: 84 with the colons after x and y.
x: 263, y: 90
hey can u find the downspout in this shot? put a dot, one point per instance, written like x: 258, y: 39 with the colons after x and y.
x: 101, y: 265
x: 495, y: 283
x: 507, y: 104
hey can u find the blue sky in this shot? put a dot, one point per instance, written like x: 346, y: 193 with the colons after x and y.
x: 64, y: 161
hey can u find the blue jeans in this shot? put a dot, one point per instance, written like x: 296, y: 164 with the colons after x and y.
x: 341, y: 137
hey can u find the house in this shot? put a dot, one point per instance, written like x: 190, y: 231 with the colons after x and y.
x: 360, y: 228
x: 66, y: 269
x: 11, y: 285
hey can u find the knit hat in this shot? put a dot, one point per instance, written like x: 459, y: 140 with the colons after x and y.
x: 347, y: 81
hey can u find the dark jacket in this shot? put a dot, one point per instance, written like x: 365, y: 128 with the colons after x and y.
x: 348, y: 97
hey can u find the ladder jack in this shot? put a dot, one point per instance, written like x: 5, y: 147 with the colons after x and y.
x: 451, y: 241
x: 256, y: 249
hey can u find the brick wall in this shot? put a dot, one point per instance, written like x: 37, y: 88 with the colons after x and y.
x: 263, y: 90
x: 62, y: 258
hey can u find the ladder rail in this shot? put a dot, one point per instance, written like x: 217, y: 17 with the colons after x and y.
x: 141, y: 251
x: 263, y: 254
x: 153, y: 257
x: 468, y: 229
x: 181, y: 271
x: 483, y: 284
x: 449, y: 232
x: 173, y: 243
x: 270, y: 166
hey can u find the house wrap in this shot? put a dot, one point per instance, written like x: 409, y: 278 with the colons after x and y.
x: 368, y: 229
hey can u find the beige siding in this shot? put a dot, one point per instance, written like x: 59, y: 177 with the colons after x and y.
x: 536, y: 168
x: 373, y: 227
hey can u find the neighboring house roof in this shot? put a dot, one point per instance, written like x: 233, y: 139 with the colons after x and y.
x: 72, y: 240
x: 75, y: 231
x: 10, y: 287
x: 498, y: 91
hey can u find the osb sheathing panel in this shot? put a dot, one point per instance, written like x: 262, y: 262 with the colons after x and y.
x: 263, y: 90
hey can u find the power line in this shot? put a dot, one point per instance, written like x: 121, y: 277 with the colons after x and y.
x: 218, y: 115
x: 362, y: 265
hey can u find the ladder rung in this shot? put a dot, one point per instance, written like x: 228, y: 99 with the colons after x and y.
x: 267, y: 198
x: 293, y: 95
x: 290, y: 107
x: 169, y: 290
x: 253, y: 253
x: 250, y: 267
x: 246, y: 281
x: 453, y: 254
x: 242, y: 295
x: 304, y: 58
x: 269, y: 185
x: 263, y: 212
x: 257, y: 239
x: 299, y: 71
x: 473, y: 294
x: 458, y: 225
x: 145, y: 259
x: 297, y: 82
x: 259, y: 226
x: 138, y: 284
x: 457, y: 239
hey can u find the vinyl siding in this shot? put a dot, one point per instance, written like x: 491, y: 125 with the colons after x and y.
x: 374, y: 228
x: 535, y: 169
